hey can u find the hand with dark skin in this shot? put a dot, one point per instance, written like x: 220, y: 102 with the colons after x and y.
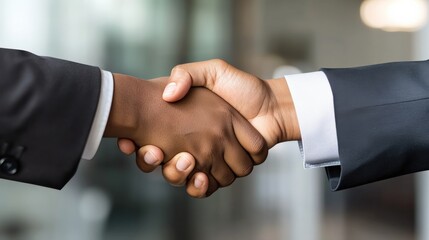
x: 223, y: 143
x: 267, y: 105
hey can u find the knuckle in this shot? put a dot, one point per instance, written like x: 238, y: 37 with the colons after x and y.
x: 206, y: 157
x: 177, y: 67
x: 229, y: 181
x: 226, y: 179
x: 214, y: 71
x: 221, y: 135
x: 246, y: 171
x: 220, y: 67
x: 219, y: 62
x: 258, y: 146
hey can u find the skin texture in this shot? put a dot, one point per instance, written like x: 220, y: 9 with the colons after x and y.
x: 267, y: 105
x: 223, y: 143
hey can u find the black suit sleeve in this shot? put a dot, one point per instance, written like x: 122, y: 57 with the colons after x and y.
x: 382, y: 119
x: 46, y: 111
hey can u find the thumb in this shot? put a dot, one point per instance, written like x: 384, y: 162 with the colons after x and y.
x: 185, y: 76
x: 178, y: 85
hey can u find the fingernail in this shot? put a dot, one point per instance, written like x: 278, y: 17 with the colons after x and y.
x: 182, y: 164
x: 150, y: 158
x: 169, y: 89
x: 198, y: 182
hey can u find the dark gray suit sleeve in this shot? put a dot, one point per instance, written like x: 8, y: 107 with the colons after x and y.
x: 382, y: 119
x: 46, y: 111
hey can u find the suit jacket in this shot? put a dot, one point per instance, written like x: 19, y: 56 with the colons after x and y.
x: 382, y: 120
x: 46, y: 111
x: 47, y: 107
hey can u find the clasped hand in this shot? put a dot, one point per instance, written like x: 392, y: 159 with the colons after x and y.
x: 203, y: 137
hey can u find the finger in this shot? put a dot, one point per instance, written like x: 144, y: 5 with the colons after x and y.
x: 203, y: 74
x: 197, y: 186
x: 238, y: 159
x: 149, y: 157
x: 212, y: 187
x: 250, y: 139
x: 178, y: 169
x: 126, y: 146
x: 178, y: 85
x: 222, y: 173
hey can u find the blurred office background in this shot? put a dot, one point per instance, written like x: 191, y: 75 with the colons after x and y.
x: 110, y: 199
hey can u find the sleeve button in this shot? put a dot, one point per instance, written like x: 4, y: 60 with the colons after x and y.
x: 9, y: 165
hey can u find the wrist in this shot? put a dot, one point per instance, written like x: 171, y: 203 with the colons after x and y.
x: 123, y: 120
x: 284, y: 110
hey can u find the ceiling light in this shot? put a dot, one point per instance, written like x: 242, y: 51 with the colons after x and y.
x: 395, y: 15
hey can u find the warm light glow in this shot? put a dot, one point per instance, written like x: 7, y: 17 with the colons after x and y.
x: 395, y: 15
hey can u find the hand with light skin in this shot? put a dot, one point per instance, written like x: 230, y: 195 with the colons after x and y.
x: 201, y: 126
x: 267, y: 105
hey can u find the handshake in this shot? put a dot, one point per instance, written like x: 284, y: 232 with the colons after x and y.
x: 206, y: 124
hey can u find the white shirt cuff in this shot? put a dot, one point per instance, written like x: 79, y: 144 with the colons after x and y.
x: 314, y: 105
x: 101, y: 116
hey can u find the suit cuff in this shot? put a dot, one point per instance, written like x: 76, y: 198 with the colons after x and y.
x: 314, y: 105
x: 101, y: 116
